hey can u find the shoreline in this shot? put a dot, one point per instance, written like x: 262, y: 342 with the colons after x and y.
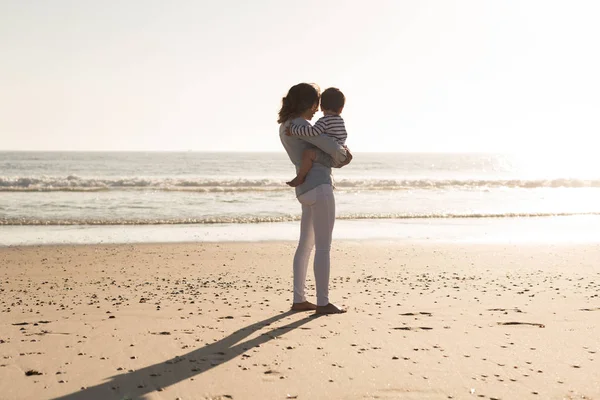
x: 557, y: 229
x: 423, y: 244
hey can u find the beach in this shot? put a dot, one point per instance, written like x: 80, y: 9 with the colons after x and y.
x: 161, y: 163
x: 426, y: 320
x: 156, y: 275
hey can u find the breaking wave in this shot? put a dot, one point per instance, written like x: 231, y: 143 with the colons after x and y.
x: 264, y: 219
x: 73, y: 183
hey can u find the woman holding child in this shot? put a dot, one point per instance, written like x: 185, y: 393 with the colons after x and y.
x: 313, y: 153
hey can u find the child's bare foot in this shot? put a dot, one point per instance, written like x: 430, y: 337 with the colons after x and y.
x: 295, y: 182
x: 330, y: 309
x: 305, y: 306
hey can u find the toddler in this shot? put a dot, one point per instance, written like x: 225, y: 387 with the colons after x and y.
x: 331, y: 125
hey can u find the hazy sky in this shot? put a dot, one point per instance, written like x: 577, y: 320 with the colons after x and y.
x: 209, y: 75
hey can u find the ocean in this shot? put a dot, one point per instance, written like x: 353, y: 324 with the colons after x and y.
x: 81, y: 197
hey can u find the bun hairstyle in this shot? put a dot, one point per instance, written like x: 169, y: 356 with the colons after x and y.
x: 300, y: 97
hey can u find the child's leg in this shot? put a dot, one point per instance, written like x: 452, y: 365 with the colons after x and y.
x: 308, y: 156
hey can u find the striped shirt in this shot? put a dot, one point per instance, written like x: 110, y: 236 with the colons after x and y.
x: 329, y: 125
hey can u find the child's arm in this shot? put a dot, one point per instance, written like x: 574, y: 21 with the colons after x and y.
x: 306, y: 130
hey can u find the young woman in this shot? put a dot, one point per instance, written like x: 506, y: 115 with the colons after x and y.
x: 315, y: 195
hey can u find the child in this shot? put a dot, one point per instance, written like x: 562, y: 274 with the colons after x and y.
x: 331, y: 125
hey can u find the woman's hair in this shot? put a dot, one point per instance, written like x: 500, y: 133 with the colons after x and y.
x: 300, y: 98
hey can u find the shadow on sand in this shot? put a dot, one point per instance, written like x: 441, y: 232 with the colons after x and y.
x: 136, y: 384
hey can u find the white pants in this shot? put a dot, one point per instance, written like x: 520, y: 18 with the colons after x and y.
x: 316, y: 228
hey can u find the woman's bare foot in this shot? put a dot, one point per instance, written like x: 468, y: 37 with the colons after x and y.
x: 330, y: 309
x: 306, y: 306
x: 295, y: 182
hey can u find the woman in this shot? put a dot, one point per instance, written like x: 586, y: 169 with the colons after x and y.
x: 316, y: 197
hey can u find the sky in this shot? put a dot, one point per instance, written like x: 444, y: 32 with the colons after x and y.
x: 419, y: 76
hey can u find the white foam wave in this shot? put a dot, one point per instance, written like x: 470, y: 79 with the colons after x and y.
x: 73, y: 183
x: 265, y: 219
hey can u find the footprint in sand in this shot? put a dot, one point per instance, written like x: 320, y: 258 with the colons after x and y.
x: 410, y: 328
x: 410, y: 314
x: 523, y: 323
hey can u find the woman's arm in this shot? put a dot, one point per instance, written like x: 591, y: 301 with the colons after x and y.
x: 348, y: 158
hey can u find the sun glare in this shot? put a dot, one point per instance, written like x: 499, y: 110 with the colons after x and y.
x: 582, y: 164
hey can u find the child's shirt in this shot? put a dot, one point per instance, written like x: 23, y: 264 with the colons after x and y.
x: 330, y: 125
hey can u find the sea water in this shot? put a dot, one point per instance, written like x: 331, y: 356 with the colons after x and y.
x: 86, y: 197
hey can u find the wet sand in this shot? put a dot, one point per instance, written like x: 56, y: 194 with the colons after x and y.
x: 211, y: 321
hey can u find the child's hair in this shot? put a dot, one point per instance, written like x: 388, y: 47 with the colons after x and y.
x: 332, y: 99
x: 300, y: 97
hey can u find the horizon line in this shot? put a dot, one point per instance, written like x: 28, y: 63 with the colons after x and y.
x: 256, y: 151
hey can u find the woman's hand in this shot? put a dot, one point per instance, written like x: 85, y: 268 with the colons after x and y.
x: 348, y: 157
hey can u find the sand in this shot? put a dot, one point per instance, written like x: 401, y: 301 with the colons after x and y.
x: 211, y: 321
